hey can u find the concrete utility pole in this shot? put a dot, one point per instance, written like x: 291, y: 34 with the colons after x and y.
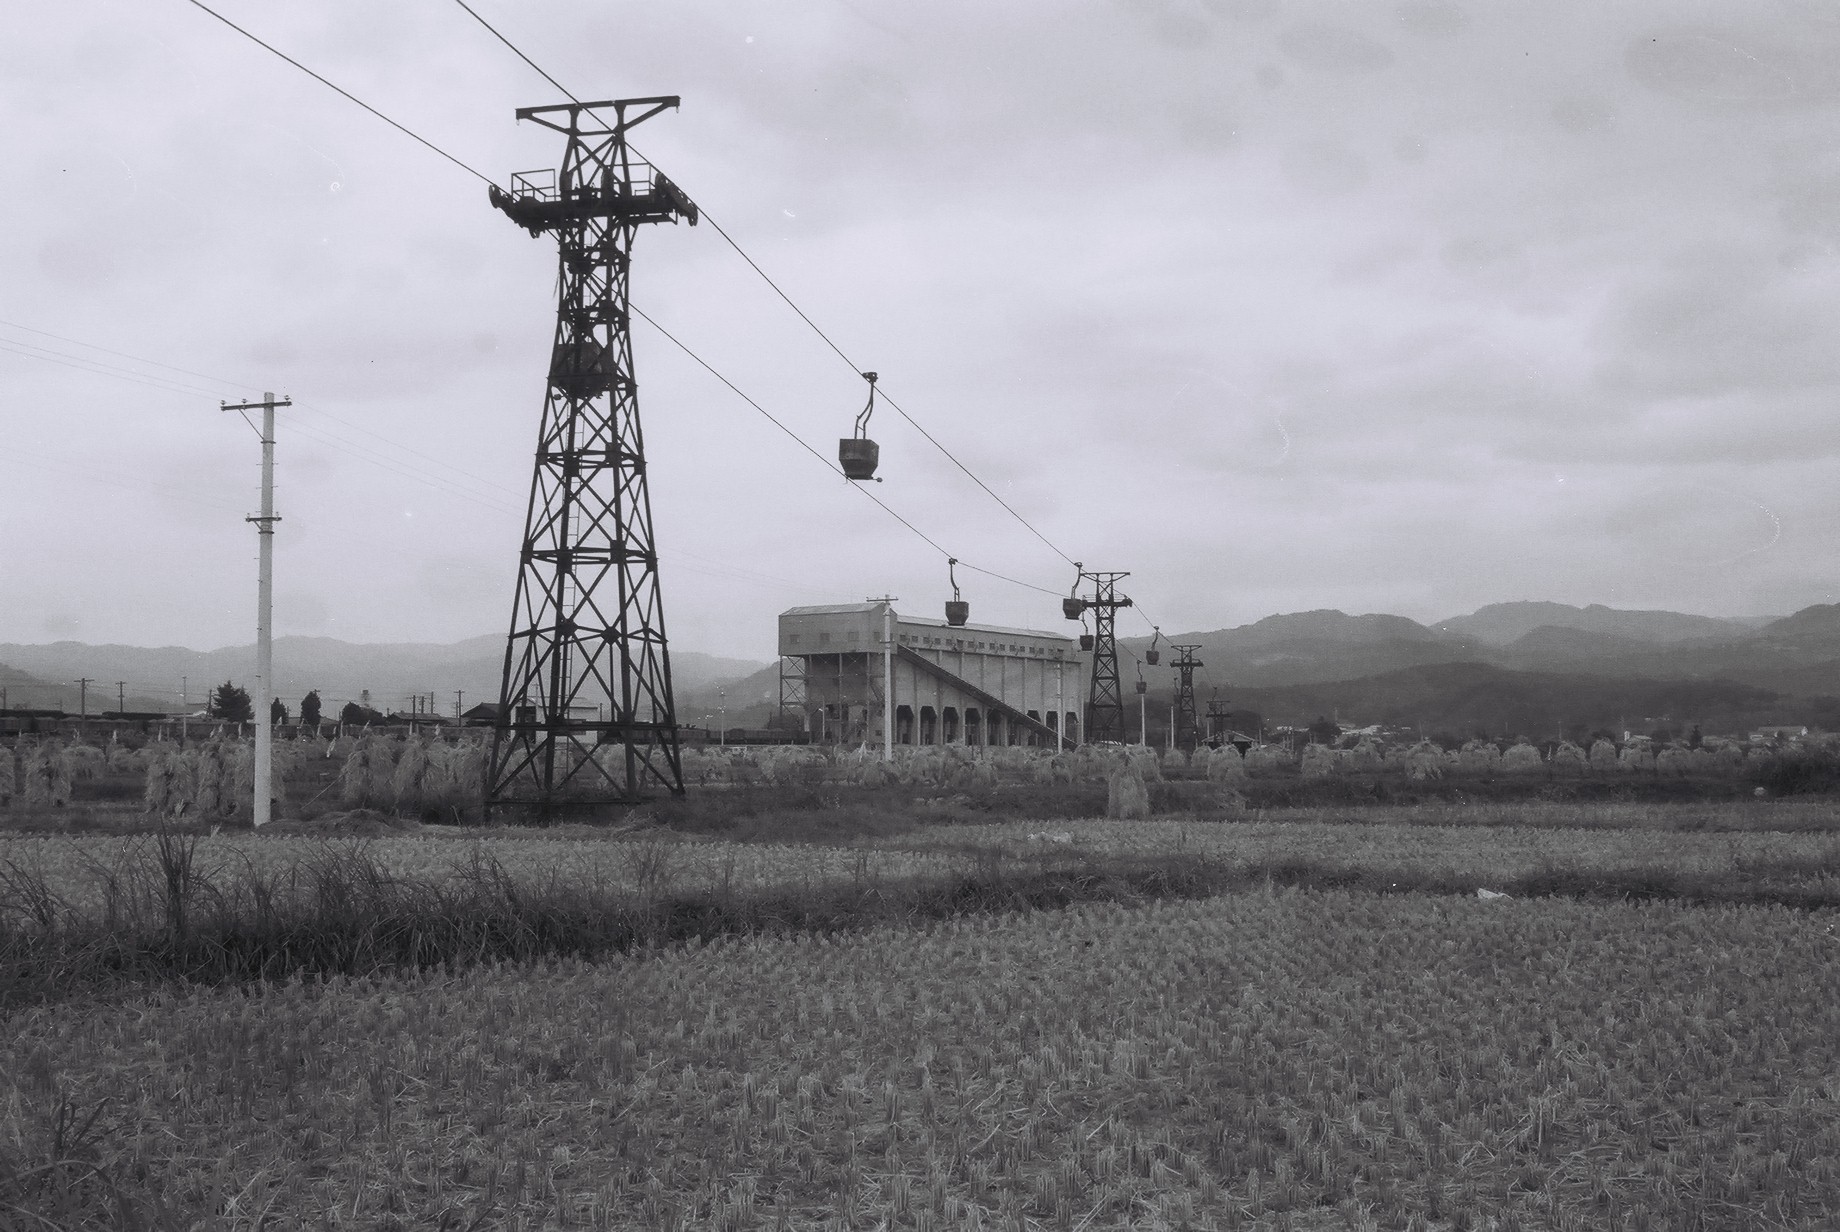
x: 459, y: 696
x: 265, y: 594
x: 83, y: 696
x: 1060, y: 705
x: 121, y: 697
x: 887, y: 602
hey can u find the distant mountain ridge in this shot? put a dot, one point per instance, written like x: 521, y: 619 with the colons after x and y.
x: 467, y: 672
x: 1499, y: 624
x: 1797, y: 655
x: 1515, y: 661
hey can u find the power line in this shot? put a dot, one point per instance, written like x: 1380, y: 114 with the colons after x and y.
x: 514, y: 50
x: 823, y: 460
x: 324, y: 436
x: 97, y: 367
x: 673, y: 339
x: 139, y: 359
x: 346, y: 93
x: 803, y: 316
x: 898, y: 409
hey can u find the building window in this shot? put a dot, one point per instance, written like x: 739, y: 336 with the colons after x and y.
x: 824, y: 639
x: 792, y: 639
x: 855, y: 637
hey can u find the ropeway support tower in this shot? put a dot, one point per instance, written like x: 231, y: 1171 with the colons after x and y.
x: 1185, y: 734
x: 1104, y: 700
x: 586, y: 714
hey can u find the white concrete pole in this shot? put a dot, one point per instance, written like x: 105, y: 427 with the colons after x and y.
x: 887, y: 680
x: 1060, y: 705
x: 265, y: 591
x: 265, y: 599
x: 1143, y: 728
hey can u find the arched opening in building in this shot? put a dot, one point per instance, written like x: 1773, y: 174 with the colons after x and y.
x: 948, y: 725
x: 1034, y: 736
x: 974, y: 726
x: 996, y: 731
x: 903, y: 725
x: 929, y: 725
x: 1072, y: 727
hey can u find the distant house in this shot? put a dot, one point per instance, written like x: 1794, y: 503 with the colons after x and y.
x: 1763, y: 735
x: 485, y: 714
x: 415, y: 719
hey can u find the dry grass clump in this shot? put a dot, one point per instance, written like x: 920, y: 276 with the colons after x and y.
x: 1318, y: 761
x: 213, y: 782
x: 1127, y: 795
x: 1225, y: 765
x: 1332, y: 1060
x: 47, y: 774
x: 413, y: 776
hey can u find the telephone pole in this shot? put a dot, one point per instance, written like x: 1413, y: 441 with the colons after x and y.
x: 265, y: 592
x: 83, y: 696
x: 121, y: 697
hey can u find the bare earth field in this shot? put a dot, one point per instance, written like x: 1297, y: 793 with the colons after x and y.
x: 1304, y: 1020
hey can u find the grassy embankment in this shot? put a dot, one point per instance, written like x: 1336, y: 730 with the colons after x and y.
x: 83, y: 913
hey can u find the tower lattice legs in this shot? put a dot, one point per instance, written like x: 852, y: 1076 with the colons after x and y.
x: 586, y: 712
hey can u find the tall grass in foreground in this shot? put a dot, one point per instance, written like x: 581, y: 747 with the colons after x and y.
x: 1302, y: 1060
x: 340, y: 911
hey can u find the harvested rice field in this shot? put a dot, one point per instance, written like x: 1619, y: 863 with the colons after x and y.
x: 1292, y: 1059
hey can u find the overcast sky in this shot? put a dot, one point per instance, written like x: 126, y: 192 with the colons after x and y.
x: 1403, y: 307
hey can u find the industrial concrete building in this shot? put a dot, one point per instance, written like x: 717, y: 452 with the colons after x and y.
x: 967, y: 684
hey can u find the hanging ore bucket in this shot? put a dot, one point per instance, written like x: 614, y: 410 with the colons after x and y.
x: 858, y: 455
x: 1086, y: 641
x: 1153, y: 656
x: 1142, y: 687
x: 1073, y: 609
x: 957, y: 610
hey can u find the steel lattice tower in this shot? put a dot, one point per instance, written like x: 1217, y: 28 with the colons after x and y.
x: 1104, y: 702
x: 585, y: 709
x: 1185, y: 666
x: 1218, y: 712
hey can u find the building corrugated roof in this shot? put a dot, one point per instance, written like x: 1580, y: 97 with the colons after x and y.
x: 842, y: 609
x: 830, y: 609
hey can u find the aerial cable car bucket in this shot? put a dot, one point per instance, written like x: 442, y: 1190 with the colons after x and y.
x: 1086, y: 639
x: 957, y: 610
x: 858, y: 455
x: 1153, y: 656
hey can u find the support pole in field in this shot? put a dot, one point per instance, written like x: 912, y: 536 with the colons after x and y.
x: 265, y: 593
x: 83, y: 696
x: 887, y: 602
